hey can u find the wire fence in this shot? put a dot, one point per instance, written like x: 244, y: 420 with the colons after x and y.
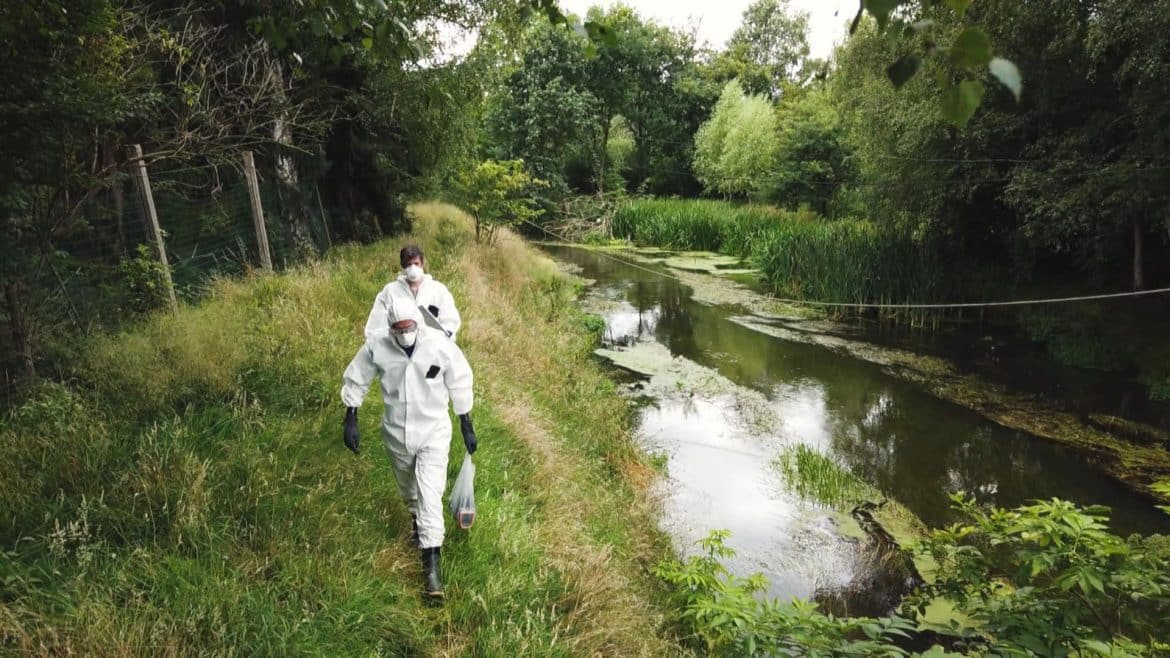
x: 106, y: 270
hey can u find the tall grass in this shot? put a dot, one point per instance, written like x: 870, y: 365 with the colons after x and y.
x: 695, y: 224
x: 799, y: 255
x: 817, y: 477
x: 184, y: 491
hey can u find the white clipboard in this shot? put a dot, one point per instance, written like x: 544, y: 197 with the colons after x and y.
x: 430, y: 320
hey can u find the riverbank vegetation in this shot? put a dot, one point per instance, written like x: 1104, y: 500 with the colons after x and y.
x: 1041, y: 188
x: 1046, y: 580
x: 797, y: 254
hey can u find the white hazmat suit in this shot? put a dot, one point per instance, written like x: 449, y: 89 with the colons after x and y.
x: 431, y: 295
x: 417, y: 384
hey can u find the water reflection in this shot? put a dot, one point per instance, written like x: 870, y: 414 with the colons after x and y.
x: 626, y: 325
x: 721, y: 474
x: 912, y: 446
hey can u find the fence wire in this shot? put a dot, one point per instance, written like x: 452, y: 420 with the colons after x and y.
x: 104, y: 271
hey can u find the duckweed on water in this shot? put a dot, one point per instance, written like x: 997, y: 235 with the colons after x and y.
x: 672, y: 377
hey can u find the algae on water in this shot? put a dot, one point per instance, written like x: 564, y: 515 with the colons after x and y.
x: 701, y: 261
x: 670, y: 376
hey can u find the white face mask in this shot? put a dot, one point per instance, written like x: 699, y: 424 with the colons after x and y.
x: 406, y: 338
x: 414, y: 273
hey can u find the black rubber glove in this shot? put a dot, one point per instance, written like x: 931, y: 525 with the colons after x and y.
x: 351, y: 430
x: 468, y: 431
x: 434, y: 310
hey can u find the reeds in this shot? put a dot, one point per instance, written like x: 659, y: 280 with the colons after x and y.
x: 799, y: 255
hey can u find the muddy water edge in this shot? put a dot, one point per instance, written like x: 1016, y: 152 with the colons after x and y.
x: 816, y: 451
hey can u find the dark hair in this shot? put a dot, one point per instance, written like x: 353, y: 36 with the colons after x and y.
x: 409, y: 253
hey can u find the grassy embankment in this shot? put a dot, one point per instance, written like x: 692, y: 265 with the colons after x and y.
x: 186, y: 491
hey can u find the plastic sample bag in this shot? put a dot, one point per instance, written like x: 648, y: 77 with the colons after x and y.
x: 463, y: 495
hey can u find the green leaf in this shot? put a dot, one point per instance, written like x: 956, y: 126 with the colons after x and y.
x: 1037, y: 566
x: 600, y: 32
x: 1094, y: 581
x: 367, y: 42
x: 317, y: 25
x: 960, y: 101
x: 881, y: 10
x: 972, y: 48
x: 960, y: 6
x: 902, y: 70
x: 1007, y: 74
x: 1097, y: 646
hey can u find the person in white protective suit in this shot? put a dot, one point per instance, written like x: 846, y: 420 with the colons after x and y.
x: 421, y: 370
x: 419, y: 287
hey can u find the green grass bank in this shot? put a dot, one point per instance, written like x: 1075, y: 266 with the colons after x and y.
x: 185, y: 490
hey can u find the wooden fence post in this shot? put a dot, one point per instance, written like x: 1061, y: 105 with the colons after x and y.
x: 257, y: 210
x: 150, y: 216
x: 324, y: 219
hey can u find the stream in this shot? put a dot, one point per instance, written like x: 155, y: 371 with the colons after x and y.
x: 721, y: 403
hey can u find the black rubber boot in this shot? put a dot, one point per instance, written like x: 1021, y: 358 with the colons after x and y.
x: 434, y: 580
x: 414, y: 530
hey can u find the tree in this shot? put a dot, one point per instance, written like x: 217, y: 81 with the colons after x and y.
x: 1100, y: 135
x: 1125, y: 39
x: 556, y: 108
x: 736, y: 147
x: 1072, y: 173
x: 543, y: 112
x: 813, y: 159
x: 774, y: 38
x: 619, y: 151
x: 733, y: 63
x: 495, y: 194
x: 108, y: 74
x: 358, y: 63
x: 914, y: 168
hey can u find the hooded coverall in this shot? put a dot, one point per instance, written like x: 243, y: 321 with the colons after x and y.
x: 431, y: 294
x: 416, y: 429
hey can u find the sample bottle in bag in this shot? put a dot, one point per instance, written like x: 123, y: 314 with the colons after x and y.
x: 462, y: 504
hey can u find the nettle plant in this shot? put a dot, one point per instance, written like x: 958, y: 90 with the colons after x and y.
x: 1049, y: 579
x: 731, y: 619
x: 1046, y: 579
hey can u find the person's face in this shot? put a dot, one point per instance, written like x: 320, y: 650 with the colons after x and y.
x: 417, y: 260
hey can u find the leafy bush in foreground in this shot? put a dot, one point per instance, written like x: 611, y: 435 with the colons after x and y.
x: 1046, y: 579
